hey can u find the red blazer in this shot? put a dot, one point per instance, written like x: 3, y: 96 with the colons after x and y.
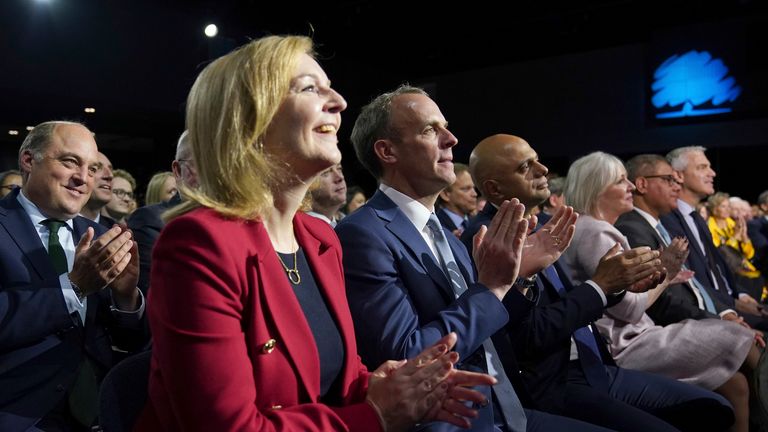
x: 219, y: 296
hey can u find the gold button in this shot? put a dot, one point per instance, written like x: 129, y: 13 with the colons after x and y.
x: 277, y: 407
x: 269, y: 346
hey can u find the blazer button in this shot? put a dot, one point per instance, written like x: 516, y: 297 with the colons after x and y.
x: 277, y: 407
x: 269, y: 346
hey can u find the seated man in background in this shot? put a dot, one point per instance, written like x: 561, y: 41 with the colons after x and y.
x: 329, y: 194
x: 457, y: 202
x: 556, y: 200
x: 146, y: 222
x: 59, y: 323
x: 8, y: 181
x: 121, y: 205
x: 101, y: 195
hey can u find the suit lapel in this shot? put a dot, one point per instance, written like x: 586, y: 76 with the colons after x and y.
x: 16, y: 222
x: 285, y: 311
x: 402, y: 228
x: 325, y: 262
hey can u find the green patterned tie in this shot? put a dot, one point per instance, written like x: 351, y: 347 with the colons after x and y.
x: 55, y: 251
x: 84, y: 393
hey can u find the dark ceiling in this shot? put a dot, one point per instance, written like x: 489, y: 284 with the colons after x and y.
x: 134, y: 61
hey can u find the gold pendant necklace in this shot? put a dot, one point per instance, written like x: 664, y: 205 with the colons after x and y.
x: 293, y: 274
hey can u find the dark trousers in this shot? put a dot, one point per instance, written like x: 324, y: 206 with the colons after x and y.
x: 641, y: 401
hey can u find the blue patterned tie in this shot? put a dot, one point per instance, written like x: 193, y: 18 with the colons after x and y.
x: 511, y: 408
x: 709, y: 305
x: 589, y: 353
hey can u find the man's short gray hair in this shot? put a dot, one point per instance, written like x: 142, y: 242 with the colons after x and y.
x: 678, y: 157
x: 38, y: 139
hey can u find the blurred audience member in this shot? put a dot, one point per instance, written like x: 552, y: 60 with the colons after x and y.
x: 731, y: 239
x: 457, y: 202
x: 757, y: 229
x: 355, y: 199
x: 146, y: 222
x: 555, y: 200
x: 101, y: 194
x: 8, y: 180
x: 161, y: 187
x: 329, y: 193
x: 123, y: 199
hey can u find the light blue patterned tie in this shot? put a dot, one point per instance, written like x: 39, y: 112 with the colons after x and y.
x: 709, y: 305
x: 511, y: 408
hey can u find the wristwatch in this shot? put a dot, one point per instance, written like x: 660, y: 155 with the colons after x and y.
x: 528, y: 282
x: 78, y: 292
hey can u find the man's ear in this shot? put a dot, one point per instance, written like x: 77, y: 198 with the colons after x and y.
x: 25, y: 161
x: 492, y: 191
x: 386, y: 151
x: 641, y: 185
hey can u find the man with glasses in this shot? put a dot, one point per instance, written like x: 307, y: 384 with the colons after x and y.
x: 67, y: 287
x: 146, y: 222
x: 8, y: 181
x: 657, y: 190
x: 122, y: 203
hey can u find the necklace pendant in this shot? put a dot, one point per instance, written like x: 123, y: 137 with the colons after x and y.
x: 293, y: 276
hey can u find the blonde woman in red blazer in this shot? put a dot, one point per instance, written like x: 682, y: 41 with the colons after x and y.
x: 234, y: 346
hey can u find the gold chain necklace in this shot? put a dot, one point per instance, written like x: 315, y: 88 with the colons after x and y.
x: 293, y: 274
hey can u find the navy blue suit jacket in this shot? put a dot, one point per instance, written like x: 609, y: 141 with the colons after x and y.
x: 542, y: 340
x: 757, y: 229
x: 676, y: 225
x: 41, y: 345
x: 402, y: 302
x: 677, y: 302
x: 146, y: 223
x: 445, y: 220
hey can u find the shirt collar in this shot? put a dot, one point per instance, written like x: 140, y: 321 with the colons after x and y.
x: 413, y: 210
x: 647, y: 216
x: 33, y: 211
x: 684, y: 207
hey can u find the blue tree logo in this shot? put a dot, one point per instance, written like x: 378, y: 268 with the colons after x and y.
x: 691, y: 80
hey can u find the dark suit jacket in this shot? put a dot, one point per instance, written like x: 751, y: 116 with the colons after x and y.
x: 217, y: 298
x: 542, y: 341
x: 677, y: 302
x: 106, y: 221
x: 757, y: 229
x: 675, y: 224
x: 445, y: 220
x: 40, y: 344
x: 401, y: 300
x: 146, y: 224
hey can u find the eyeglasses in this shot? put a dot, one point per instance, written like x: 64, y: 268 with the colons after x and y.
x: 668, y: 178
x: 122, y: 194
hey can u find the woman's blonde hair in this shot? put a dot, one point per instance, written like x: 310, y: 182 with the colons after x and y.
x: 155, y: 188
x: 229, y: 109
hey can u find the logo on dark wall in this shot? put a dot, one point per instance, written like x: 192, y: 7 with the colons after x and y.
x: 693, y: 84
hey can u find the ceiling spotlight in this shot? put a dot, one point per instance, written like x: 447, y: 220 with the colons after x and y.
x: 13, y: 132
x: 29, y: 128
x: 211, y: 30
x: 90, y: 110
